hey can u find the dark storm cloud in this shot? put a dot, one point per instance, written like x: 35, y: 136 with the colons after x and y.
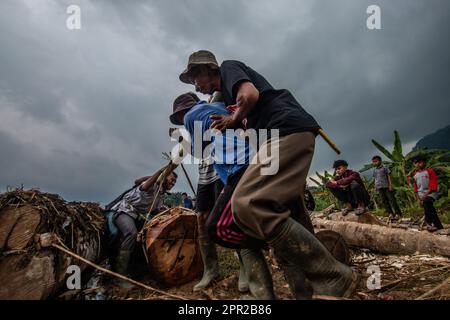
x: 95, y: 102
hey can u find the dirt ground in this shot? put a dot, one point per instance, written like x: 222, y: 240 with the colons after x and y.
x: 401, y: 278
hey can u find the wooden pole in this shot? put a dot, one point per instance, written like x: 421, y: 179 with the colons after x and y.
x: 328, y: 140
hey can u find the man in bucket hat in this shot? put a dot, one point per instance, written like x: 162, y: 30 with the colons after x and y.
x: 261, y: 204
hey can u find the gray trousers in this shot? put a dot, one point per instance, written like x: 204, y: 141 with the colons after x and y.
x: 389, y: 201
x: 129, y: 229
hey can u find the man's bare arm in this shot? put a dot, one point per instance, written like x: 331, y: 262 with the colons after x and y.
x: 151, y: 180
x: 246, y: 99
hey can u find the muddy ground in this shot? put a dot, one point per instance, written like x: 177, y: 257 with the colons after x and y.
x: 402, y: 278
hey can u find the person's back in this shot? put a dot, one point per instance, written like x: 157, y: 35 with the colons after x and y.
x: 230, y: 152
x: 136, y: 202
x: 275, y: 109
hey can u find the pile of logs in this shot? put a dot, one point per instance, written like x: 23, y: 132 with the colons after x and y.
x: 29, y: 270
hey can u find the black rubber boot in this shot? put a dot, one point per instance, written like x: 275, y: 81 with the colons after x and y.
x: 210, y: 265
x: 243, y: 279
x: 301, y: 288
x: 121, y: 267
x: 258, y: 274
x: 298, y: 247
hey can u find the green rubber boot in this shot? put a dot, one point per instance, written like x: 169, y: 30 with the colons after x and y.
x: 258, y: 274
x: 243, y: 279
x: 300, y: 287
x: 300, y: 249
x: 210, y: 265
x: 121, y: 267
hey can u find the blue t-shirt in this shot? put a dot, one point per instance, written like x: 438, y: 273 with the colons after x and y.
x: 187, y: 203
x: 230, y: 152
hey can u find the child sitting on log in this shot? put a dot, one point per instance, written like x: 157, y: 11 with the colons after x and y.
x: 348, y: 187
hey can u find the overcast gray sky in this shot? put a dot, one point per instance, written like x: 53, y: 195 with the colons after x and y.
x: 84, y: 112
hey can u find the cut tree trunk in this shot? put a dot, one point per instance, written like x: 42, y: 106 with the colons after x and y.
x: 171, y: 247
x: 387, y: 240
x: 28, y: 270
x: 366, y: 218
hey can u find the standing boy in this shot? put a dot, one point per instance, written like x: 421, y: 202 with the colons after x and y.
x: 383, y: 184
x: 426, y: 190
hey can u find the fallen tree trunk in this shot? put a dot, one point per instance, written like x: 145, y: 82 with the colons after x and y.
x: 366, y: 218
x: 171, y: 247
x: 29, y: 270
x: 387, y: 240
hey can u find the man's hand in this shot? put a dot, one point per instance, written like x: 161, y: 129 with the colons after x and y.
x: 223, y: 122
x: 333, y: 182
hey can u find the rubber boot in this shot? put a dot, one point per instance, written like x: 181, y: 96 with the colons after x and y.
x: 210, y: 264
x: 259, y: 277
x: 300, y: 287
x: 243, y: 279
x: 297, y: 246
x: 121, y: 267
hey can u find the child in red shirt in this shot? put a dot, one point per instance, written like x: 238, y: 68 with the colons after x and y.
x: 426, y: 190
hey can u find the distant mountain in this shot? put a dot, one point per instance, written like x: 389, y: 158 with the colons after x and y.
x: 438, y: 140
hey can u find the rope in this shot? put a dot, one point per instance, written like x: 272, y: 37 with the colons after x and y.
x: 117, y: 275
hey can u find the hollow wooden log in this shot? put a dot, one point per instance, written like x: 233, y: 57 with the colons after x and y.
x: 30, y: 270
x: 387, y: 240
x: 171, y: 247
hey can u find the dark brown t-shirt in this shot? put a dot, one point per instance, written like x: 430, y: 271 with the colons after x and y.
x: 275, y: 109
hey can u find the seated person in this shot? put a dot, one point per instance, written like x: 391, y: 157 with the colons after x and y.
x: 128, y: 214
x: 348, y: 187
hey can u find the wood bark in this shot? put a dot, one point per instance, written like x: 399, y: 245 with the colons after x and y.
x: 30, y: 271
x: 171, y: 247
x: 387, y: 240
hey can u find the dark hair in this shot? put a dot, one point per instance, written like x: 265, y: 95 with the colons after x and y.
x: 339, y: 163
x: 419, y: 157
x: 184, y: 194
x: 376, y: 158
